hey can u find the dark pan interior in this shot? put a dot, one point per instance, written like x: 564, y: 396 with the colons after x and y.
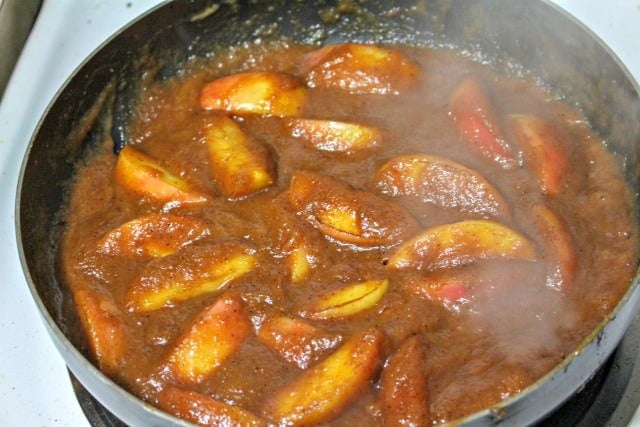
x: 530, y: 38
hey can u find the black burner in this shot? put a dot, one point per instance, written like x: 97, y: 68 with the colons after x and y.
x: 98, y: 415
x: 610, y: 398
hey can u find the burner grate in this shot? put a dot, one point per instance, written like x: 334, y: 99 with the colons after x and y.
x: 97, y: 415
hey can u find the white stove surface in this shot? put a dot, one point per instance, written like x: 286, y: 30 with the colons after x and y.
x: 34, y: 385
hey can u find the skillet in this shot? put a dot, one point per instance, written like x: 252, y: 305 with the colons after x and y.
x: 528, y: 37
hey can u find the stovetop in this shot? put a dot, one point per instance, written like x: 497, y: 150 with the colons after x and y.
x: 35, y: 387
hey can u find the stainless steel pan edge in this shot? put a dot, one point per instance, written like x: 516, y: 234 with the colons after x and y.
x: 589, y: 76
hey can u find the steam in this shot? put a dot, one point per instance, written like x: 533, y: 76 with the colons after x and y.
x: 522, y: 320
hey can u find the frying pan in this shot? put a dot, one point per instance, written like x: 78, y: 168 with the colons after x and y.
x: 533, y: 38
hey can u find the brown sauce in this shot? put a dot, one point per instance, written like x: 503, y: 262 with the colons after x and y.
x: 517, y: 318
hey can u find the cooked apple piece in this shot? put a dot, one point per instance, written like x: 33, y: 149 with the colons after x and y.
x: 240, y: 165
x: 442, y: 182
x: 459, y: 243
x: 341, y: 221
x: 143, y: 176
x: 348, y: 301
x: 473, y: 112
x: 449, y: 289
x: 260, y: 92
x: 153, y: 235
x: 192, y: 271
x: 297, y: 341
x: 215, y: 334
x: 104, y: 326
x: 348, y: 215
x: 542, y: 147
x: 558, y: 239
x: 320, y: 393
x: 360, y: 69
x: 403, y: 387
x: 203, y: 410
x: 291, y: 241
x: 334, y: 136
x: 300, y: 261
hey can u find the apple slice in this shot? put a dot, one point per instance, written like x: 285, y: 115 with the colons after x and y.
x: 474, y: 114
x: 403, y: 387
x: 562, y: 250
x: 297, y: 341
x: 320, y: 393
x: 360, y: 69
x: 348, y: 301
x: 301, y: 261
x: 259, y: 92
x: 240, y: 165
x: 461, y: 243
x: 542, y: 147
x: 334, y: 136
x: 104, y: 326
x: 214, y: 336
x: 449, y: 289
x: 194, y: 270
x: 203, y: 410
x: 143, y: 176
x: 293, y: 243
x: 153, y: 235
x: 348, y: 215
x: 442, y: 182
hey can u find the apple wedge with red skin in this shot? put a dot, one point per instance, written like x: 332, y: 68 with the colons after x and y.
x: 473, y: 112
x: 194, y: 270
x: 543, y: 149
x: 143, y: 176
x: 323, y: 391
x: 102, y: 321
x: 404, y: 397
x: 296, y: 340
x: 360, y: 69
x: 460, y: 243
x: 347, y: 301
x: 558, y: 239
x: 448, y: 289
x: 211, y: 338
x: 348, y: 215
x: 240, y: 165
x: 153, y: 235
x: 334, y: 136
x: 267, y: 93
x: 203, y: 410
x: 441, y: 182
